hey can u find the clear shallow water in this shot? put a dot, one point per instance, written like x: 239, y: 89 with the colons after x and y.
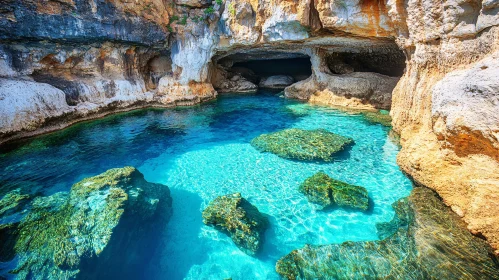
x: 203, y: 152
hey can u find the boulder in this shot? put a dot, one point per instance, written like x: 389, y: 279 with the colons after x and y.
x: 276, y: 82
x: 239, y: 219
x: 228, y: 82
x: 326, y: 191
x: 116, y: 212
x: 305, y: 145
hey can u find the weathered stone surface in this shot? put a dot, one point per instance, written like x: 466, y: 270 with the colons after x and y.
x: 239, y: 219
x: 276, y: 82
x: 358, y: 90
x: 447, y: 137
x: 299, y: 144
x: 224, y: 81
x: 64, y: 231
x: 425, y: 240
x: 84, y: 21
x: 326, y: 191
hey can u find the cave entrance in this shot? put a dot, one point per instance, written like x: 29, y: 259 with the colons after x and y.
x: 390, y: 63
x: 248, y: 72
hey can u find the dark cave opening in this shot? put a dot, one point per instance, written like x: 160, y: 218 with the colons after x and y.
x: 298, y: 68
x: 390, y: 63
x: 246, y: 72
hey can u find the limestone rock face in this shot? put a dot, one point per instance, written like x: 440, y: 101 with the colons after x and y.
x: 326, y: 191
x: 239, y: 219
x: 348, y: 90
x: 276, y: 82
x: 416, y: 245
x: 305, y: 145
x: 100, y: 217
x: 444, y: 105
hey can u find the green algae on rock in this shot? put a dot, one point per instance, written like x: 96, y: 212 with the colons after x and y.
x: 13, y: 207
x: 425, y: 240
x: 239, y: 219
x: 300, y: 144
x: 326, y: 191
x: 379, y: 117
x: 63, y: 230
x: 10, y: 205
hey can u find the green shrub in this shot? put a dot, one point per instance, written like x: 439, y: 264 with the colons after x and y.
x: 209, y: 10
x: 184, y: 20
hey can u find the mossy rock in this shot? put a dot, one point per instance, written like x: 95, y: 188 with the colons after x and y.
x: 239, y: 219
x: 305, y: 145
x: 380, y: 117
x: 326, y: 191
x: 425, y: 240
x: 63, y: 230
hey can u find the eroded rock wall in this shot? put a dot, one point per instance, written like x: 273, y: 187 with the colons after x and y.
x: 446, y: 105
x: 66, y: 61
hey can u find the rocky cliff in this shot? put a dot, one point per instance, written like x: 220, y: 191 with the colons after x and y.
x: 446, y: 106
x: 62, y: 61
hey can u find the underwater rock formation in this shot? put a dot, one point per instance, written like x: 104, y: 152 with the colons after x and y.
x: 112, y: 213
x: 425, y: 240
x: 13, y: 207
x: 239, y: 219
x: 299, y: 144
x: 326, y: 191
x: 378, y: 117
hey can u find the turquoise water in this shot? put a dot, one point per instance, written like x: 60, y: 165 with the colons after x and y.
x: 202, y: 152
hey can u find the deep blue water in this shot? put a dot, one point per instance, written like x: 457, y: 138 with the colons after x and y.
x: 202, y: 152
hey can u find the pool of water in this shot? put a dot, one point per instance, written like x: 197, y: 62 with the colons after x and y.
x: 204, y: 151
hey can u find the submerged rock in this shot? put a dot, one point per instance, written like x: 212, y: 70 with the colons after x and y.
x: 326, y: 191
x: 12, y: 209
x: 239, y: 219
x: 109, y: 214
x: 11, y: 204
x: 299, y: 144
x: 382, y: 117
x: 425, y: 240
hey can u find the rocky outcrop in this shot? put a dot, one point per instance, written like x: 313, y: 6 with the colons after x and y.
x: 239, y: 219
x: 326, y: 191
x: 80, y: 233
x: 416, y: 244
x: 224, y: 81
x: 305, y: 145
x: 445, y: 105
x: 95, y: 59
x: 276, y: 82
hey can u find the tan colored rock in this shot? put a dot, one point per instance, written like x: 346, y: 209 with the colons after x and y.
x: 445, y: 107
